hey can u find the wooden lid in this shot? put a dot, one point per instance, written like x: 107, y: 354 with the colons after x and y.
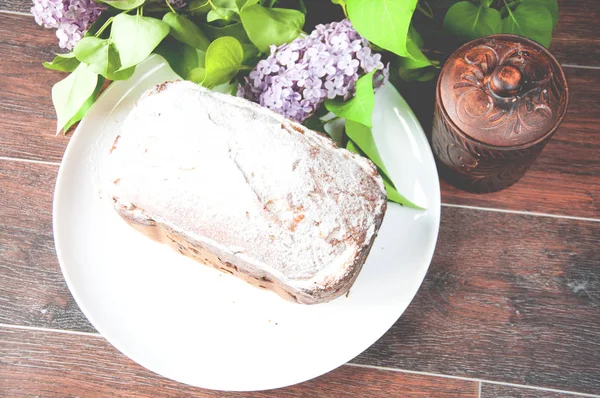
x: 503, y: 90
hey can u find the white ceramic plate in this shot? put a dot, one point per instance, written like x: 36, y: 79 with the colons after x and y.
x: 196, y: 325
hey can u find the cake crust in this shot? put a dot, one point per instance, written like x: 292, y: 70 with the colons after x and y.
x: 246, y: 191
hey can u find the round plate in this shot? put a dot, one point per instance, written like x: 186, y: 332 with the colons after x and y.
x: 196, y: 325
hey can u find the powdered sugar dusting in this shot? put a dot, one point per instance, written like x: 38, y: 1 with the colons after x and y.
x: 222, y: 168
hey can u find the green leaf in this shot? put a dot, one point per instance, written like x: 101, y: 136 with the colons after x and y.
x: 397, y: 197
x: 63, y: 62
x: 416, y: 59
x: 226, y: 10
x: 241, y: 4
x: 392, y: 192
x: 197, y: 75
x: 192, y: 59
x: 359, y: 108
x: 362, y: 136
x: 220, y: 14
x: 199, y: 8
x: 302, y: 7
x: 486, y: 3
x: 71, y: 93
x: 416, y: 66
x: 186, y: 31
x: 223, y: 60
x: 102, y: 57
x: 468, y: 21
x: 315, y: 124
x: 267, y: 26
x: 341, y: 3
x: 124, y: 4
x: 235, y: 30
x: 383, y: 22
x: 86, y: 105
x: 251, y: 54
x: 121, y: 74
x: 551, y: 5
x: 136, y: 36
x: 100, y: 54
x: 533, y: 21
x: 181, y: 57
x: 100, y: 22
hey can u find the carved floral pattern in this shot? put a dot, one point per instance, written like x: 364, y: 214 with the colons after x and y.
x: 527, y: 110
x: 497, y: 101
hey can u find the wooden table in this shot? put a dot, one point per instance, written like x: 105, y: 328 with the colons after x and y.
x: 510, y: 306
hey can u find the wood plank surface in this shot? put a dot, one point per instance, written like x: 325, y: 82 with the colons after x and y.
x: 499, y: 391
x: 575, y: 39
x: 36, y: 363
x: 27, y: 120
x: 508, y: 297
x: 32, y: 288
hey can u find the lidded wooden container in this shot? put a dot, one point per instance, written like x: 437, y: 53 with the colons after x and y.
x: 499, y: 99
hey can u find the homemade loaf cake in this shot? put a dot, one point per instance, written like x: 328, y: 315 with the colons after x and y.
x: 241, y: 188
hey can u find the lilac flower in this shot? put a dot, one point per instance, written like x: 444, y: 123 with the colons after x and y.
x: 296, y: 78
x: 70, y: 18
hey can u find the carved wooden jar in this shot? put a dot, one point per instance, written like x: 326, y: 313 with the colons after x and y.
x: 499, y: 99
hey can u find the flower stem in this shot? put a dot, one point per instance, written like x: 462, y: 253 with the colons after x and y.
x: 427, y: 12
x: 169, y: 5
x: 511, y: 14
x: 103, y: 28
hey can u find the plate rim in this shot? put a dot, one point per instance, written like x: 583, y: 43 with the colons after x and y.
x: 150, y: 65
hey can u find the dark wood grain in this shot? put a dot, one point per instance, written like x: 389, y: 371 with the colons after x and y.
x: 498, y: 391
x: 575, y: 38
x: 31, y: 285
x: 15, y: 5
x: 509, y: 298
x: 27, y: 121
x: 58, y: 365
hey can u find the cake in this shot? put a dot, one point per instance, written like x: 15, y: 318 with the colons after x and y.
x: 241, y: 188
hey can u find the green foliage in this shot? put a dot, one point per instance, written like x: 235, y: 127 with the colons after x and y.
x: 136, y: 36
x: 383, y: 22
x: 63, y: 62
x: 223, y: 60
x: 102, y: 57
x: 416, y: 66
x: 70, y: 95
x: 184, y: 30
x: 531, y: 18
x: 267, y: 26
x: 359, y: 108
x: 365, y: 146
x: 468, y: 21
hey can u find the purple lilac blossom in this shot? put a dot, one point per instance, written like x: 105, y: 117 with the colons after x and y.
x: 296, y: 78
x: 70, y: 18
